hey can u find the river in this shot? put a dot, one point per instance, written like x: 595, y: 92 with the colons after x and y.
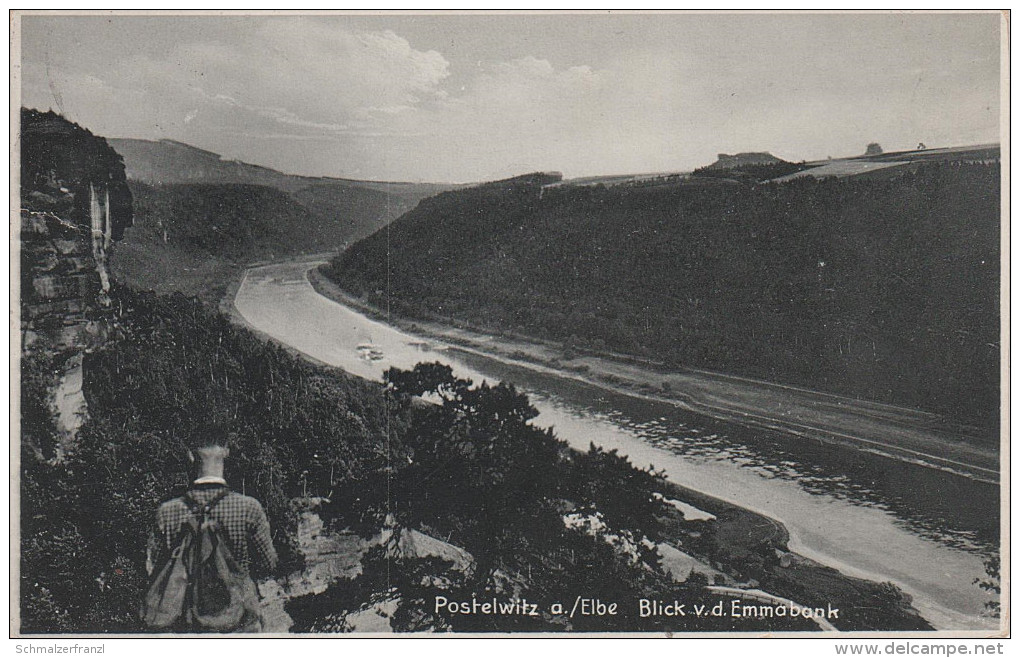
x: 927, y: 531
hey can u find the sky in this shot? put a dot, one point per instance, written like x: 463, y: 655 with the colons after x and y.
x: 460, y: 98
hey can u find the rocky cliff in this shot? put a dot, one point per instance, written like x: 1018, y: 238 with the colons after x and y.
x: 74, y: 203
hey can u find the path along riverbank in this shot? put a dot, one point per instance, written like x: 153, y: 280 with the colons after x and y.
x: 842, y: 531
x: 897, y: 432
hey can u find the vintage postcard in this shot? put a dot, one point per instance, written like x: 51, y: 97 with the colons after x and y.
x: 510, y: 324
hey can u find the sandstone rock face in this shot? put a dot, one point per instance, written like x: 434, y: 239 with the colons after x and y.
x: 74, y: 203
x: 328, y: 557
x: 331, y: 556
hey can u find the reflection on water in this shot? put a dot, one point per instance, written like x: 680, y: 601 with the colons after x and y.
x: 926, y: 530
x: 956, y: 510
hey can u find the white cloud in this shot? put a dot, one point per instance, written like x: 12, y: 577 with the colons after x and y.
x: 332, y: 96
x: 306, y: 73
x: 293, y: 71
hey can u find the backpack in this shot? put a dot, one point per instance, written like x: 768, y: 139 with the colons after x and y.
x: 201, y: 587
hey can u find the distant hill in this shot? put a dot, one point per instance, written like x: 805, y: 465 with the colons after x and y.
x: 726, y: 161
x: 885, y: 288
x: 169, y: 161
x: 897, y: 162
x: 199, y: 217
x: 754, y: 168
x: 748, y: 168
x: 363, y: 206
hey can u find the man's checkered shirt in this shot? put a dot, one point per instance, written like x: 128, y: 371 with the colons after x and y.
x: 241, y: 516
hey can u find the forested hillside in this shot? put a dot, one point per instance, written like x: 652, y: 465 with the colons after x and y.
x: 199, y: 218
x: 168, y: 367
x: 167, y: 161
x: 470, y: 469
x: 882, y: 287
x: 159, y: 368
x: 534, y: 518
x: 193, y: 237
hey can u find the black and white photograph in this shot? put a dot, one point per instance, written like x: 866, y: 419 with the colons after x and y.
x: 510, y: 324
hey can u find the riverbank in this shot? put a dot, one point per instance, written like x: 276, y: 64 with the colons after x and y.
x: 229, y: 292
x: 750, y: 547
x: 895, y: 432
x: 745, y: 528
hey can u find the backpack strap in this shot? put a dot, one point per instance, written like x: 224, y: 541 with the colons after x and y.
x: 200, y: 510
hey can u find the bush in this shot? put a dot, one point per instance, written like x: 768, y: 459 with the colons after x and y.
x: 171, y: 366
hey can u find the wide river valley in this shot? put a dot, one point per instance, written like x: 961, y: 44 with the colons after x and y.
x: 928, y: 531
